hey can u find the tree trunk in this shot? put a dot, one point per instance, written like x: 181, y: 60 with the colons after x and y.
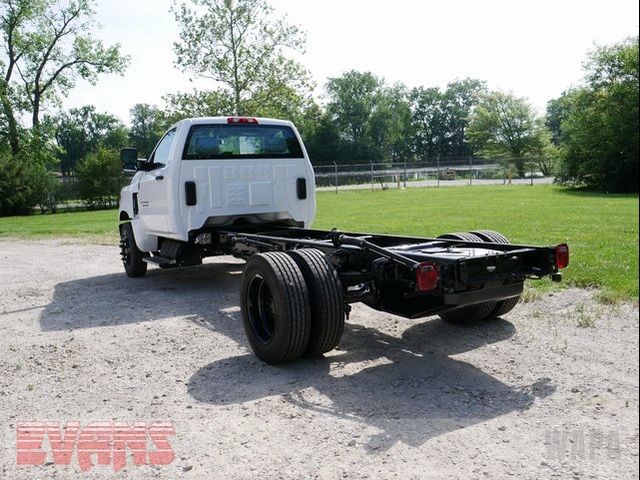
x: 237, y: 102
x: 14, y: 140
x: 35, y: 118
x: 520, y: 167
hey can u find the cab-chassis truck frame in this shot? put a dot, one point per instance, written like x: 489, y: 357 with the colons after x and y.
x: 298, y: 283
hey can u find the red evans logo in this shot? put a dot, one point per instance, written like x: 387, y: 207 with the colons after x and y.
x: 98, y: 443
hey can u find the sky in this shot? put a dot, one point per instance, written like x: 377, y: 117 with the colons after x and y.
x: 533, y: 48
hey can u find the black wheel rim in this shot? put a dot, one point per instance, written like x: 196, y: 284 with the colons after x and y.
x: 125, y: 252
x: 261, y: 311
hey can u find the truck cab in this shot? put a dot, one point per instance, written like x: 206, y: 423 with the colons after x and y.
x: 218, y: 172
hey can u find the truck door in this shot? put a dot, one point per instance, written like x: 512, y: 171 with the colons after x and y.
x: 152, y: 196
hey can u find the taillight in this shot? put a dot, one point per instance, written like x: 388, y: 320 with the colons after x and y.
x: 562, y: 255
x: 241, y: 120
x: 427, y: 276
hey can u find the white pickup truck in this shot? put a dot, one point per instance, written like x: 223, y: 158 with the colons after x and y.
x: 245, y: 187
x: 209, y: 172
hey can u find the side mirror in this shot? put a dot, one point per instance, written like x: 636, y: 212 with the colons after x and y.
x: 143, y: 165
x: 129, y: 160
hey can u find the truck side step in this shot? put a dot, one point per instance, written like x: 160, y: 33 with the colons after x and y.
x: 160, y: 261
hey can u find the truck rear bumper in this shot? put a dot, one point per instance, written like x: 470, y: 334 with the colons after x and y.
x: 487, y: 294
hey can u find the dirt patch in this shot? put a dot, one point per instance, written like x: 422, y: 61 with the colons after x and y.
x: 548, y: 391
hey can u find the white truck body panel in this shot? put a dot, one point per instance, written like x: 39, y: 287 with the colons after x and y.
x: 258, y: 190
x: 231, y: 188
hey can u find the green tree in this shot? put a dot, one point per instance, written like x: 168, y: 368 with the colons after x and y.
x: 72, y: 139
x: 359, y: 106
x: 241, y: 46
x: 460, y: 98
x: 557, y: 111
x: 15, y: 17
x: 352, y: 98
x: 428, y: 122
x: 16, y: 193
x: 100, y: 178
x: 25, y: 178
x: 199, y: 103
x: 50, y: 45
x: 322, y: 137
x: 599, y: 132
x: 148, y: 124
x: 440, y: 118
x: 48, y: 191
x: 505, y: 126
x: 390, y: 122
x: 81, y: 131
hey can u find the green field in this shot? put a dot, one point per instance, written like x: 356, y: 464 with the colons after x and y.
x: 95, y: 226
x: 601, y: 230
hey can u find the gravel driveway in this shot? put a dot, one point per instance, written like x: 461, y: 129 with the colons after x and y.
x: 549, y: 391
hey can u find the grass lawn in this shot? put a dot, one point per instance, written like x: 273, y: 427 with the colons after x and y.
x: 101, y: 226
x: 601, y: 230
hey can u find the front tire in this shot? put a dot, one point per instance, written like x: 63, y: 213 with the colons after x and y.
x: 276, y: 312
x: 132, y: 256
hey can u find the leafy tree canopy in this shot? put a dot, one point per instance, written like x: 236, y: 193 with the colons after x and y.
x: 148, y: 124
x: 240, y: 45
x: 82, y: 131
x: 47, y: 46
x: 505, y: 126
x: 600, y: 125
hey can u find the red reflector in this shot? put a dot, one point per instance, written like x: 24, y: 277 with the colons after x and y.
x: 427, y: 276
x: 236, y: 120
x: 562, y: 255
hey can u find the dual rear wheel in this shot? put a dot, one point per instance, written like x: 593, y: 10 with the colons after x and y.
x: 486, y: 310
x: 292, y: 305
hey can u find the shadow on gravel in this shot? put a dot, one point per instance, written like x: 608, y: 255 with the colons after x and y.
x: 417, y: 392
x: 116, y: 299
x: 420, y: 393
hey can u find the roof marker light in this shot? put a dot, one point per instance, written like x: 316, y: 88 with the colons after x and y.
x: 241, y: 120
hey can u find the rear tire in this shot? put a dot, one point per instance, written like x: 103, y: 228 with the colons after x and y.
x: 472, y: 313
x: 132, y: 256
x: 276, y: 312
x: 491, y: 236
x: 464, y: 236
x: 327, y: 301
x: 504, y: 306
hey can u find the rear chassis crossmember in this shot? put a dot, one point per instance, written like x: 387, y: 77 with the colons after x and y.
x: 381, y: 270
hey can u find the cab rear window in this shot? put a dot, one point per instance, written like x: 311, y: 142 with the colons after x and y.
x: 219, y: 141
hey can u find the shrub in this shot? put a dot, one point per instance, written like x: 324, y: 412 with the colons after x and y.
x: 15, y: 192
x: 48, y: 191
x: 100, y: 179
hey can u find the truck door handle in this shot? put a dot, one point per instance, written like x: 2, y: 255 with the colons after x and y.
x: 159, y: 177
